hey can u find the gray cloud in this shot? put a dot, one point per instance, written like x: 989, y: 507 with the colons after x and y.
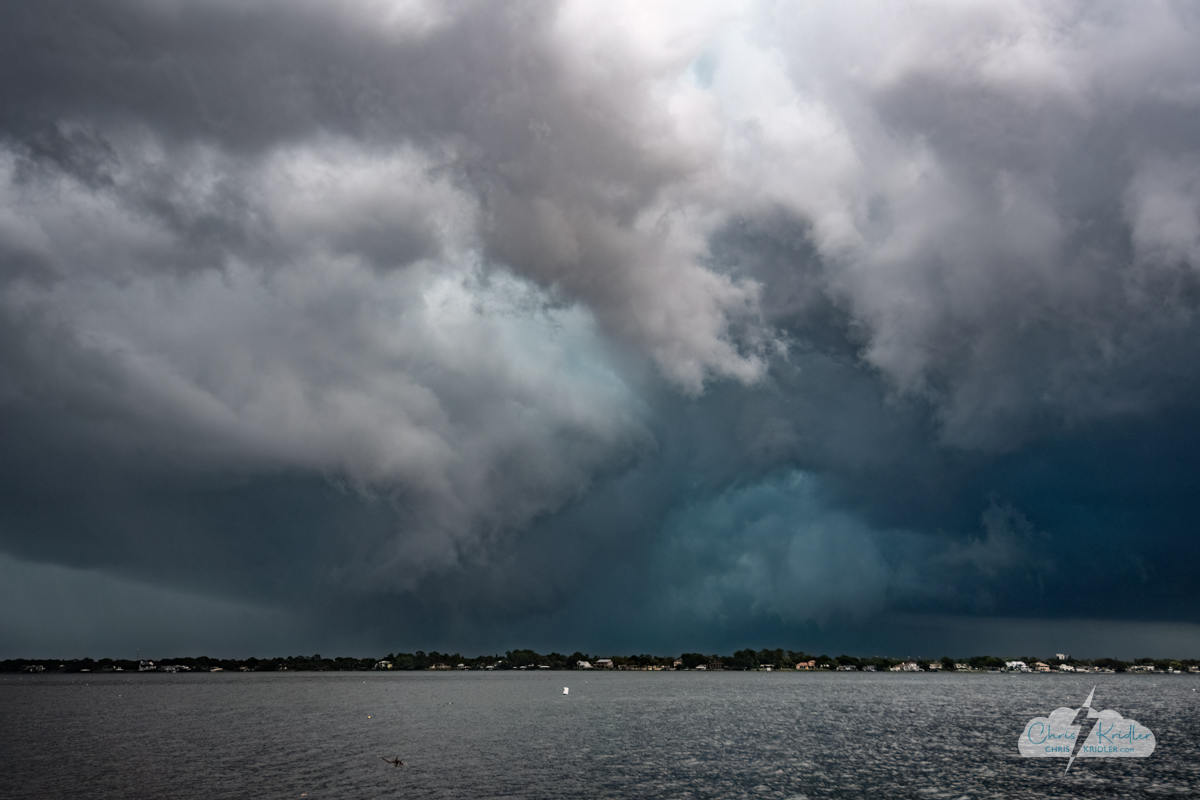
x: 528, y: 296
x: 567, y: 160
x: 980, y: 211
x: 58, y: 612
x: 773, y: 548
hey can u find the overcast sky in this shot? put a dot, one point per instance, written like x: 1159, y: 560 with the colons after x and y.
x: 390, y: 325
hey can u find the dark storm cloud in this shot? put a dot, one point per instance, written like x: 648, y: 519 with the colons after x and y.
x: 476, y: 320
x: 54, y: 609
x: 561, y: 139
x: 971, y: 175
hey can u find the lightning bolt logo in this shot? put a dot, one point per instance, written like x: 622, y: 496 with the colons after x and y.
x: 1085, y: 726
x: 1085, y: 732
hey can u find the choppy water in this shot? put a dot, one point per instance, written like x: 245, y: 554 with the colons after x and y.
x: 618, y: 735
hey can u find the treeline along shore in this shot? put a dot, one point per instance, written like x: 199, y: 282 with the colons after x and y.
x: 762, y: 660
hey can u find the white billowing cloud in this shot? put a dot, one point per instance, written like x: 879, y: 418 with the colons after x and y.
x: 597, y: 199
x: 962, y: 168
x: 960, y: 165
x: 386, y: 207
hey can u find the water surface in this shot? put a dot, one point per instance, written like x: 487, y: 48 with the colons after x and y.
x: 617, y: 735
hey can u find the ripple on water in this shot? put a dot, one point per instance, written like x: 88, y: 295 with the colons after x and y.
x: 694, y: 735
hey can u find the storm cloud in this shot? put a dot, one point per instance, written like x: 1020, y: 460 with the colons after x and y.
x: 446, y: 324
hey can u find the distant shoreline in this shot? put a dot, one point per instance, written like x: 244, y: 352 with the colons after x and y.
x: 528, y: 660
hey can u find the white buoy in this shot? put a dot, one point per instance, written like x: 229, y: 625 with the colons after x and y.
x: 566, y: 690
